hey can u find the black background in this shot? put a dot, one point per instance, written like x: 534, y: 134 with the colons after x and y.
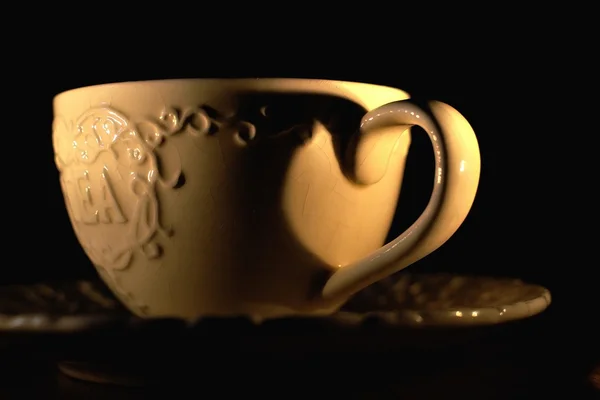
x: 524, y: 76
x: 519, y: 94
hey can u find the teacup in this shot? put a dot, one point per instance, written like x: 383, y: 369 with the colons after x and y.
x: 256, y: 197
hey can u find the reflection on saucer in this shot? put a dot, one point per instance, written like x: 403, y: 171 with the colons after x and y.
x: 405, y: 300
x: 448, y: 300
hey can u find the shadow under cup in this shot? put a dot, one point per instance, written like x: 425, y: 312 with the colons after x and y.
x: 223, y: 197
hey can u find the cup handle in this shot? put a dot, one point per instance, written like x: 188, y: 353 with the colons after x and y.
x: 457, y: 169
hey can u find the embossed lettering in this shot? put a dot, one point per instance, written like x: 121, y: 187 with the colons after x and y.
x: 94, y: 202
x: 110, y: 172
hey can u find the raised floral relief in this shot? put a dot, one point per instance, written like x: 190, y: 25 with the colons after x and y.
x: 109, y: 175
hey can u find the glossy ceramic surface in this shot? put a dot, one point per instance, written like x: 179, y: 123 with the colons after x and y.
x: 437, y: 301
x: 259, y: 197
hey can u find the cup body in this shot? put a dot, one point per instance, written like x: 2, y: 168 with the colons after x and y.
x: 223, y: 196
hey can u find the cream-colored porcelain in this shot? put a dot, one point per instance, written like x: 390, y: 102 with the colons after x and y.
x: 252, y: 196
x: 445, y: 300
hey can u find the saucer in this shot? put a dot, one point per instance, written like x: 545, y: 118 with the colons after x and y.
x: 403, y: 301
x: 446, y: 300
x: 94, y: 338
x: 58, y: 307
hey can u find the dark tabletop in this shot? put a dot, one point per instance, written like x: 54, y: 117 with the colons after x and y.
x: 526, y: 359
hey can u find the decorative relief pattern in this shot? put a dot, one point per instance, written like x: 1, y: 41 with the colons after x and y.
x: 110, y: 171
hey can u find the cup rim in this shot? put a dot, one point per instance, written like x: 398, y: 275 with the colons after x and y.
x: 268, y: 80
